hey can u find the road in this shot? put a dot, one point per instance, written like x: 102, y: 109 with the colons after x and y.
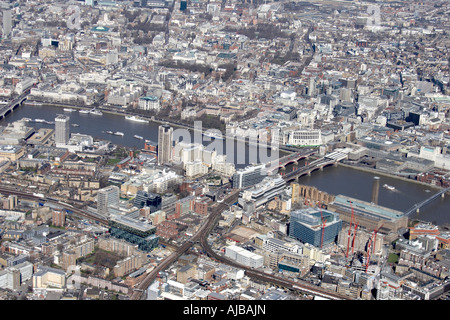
x: 202, y: 233
x: 202, y: 237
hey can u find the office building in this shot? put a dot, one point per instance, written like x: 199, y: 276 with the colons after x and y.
x: 106, y: 198
x: 244, y: 257
x: 263, y: 192
x: 305, y: 137
x: 165, y: 144
x: 249, y: 176
x: 62, y: 130
x: 10, y: 279
x: 10, y: 203
x: 134, y: 231
x: 7, y: 23
x: 149, y: 103
x: 147, y: 199
x: 47, y: 277
x: 306, y: 226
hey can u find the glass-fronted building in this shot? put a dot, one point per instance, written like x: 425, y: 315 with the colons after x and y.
x: 306, y: 226
x: 147, y: 199
x: 134, y: 231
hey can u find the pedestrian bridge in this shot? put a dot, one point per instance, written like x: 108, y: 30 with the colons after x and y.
x: 417, y: 206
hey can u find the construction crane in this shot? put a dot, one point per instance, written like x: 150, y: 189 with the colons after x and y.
x: 354, y: 236
x: 349, y: 232
x: 371, y: 245
x: 323, y: 227
x: 375, y: 239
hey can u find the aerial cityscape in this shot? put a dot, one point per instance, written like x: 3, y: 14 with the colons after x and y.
x: 238, y: 150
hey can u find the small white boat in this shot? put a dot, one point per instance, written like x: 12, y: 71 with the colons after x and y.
x: 118, y: 133
x: 96, y: 112
x: 75, y: 125
x: 388, y: 187
x: 84, y: 111
x: 69, y: 109
x: 136, y: 119
x: 109, y: 132
x: 138, y: 137
x: 39, y: 120
x: 34, y: 103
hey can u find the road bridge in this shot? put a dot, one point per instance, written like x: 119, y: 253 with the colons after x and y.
x: 282, y: 162
x: 10, y: 106
x: 329, y: 159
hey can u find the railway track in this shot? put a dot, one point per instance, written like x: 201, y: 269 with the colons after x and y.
x: 201, y: 236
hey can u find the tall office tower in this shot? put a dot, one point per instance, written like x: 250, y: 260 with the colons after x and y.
x: 106, y: 198
x: 7, y: 23
x: 165, y: 142
x: 375, y: 189
x: 62, y: 130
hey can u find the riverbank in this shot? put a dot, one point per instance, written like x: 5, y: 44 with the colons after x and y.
x: 171, y: 123
x: 386, y: 174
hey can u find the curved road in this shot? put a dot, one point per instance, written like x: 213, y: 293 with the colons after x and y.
x: 202, y: 236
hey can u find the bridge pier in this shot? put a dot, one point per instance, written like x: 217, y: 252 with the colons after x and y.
x: 321, y: 168
x: 443, y: 195
x: 417, y: 210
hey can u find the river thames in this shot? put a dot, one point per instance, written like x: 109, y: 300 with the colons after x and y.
x: 333, y: 180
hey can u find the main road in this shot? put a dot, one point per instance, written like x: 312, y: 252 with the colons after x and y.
x: 216, y: 210
x: 201, y: 236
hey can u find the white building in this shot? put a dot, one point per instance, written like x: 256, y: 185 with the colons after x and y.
x: 305, y: 137
x: 244, y: 257
x: 435, y: 154
x: 195, y: 168
x: 264, y: 191
x: 24, y: 85
x: 222, y: 167
x: 149, y: 103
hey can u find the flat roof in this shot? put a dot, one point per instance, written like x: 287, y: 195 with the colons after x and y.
x: 367, y: 208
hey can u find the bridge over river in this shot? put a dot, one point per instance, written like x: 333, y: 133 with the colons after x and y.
x: 417, y: 206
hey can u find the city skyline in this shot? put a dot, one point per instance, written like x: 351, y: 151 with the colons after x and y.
x: 225, y: 150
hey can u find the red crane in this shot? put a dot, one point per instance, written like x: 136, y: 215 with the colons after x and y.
x: 371, y: 245
x: 375, y: 239
x: 354, y: 236
x: 323, y: 227
x: 349, y: 231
